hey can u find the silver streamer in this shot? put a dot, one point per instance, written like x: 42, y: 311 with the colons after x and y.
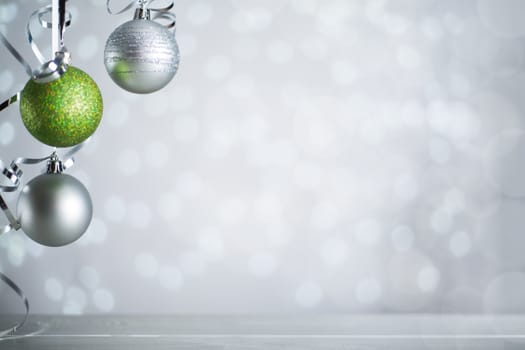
x: 142, y: 7
x: 13, y: 174
x: 11, y: 330
x: 49, y: 71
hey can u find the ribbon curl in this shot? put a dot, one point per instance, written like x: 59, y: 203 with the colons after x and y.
x: 39, y: 15
x: 50, y: 69
x: 11, y: 330
x: 160, y: 13
x: 13, y: 173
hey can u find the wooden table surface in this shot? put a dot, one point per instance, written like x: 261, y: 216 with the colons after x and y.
x: 305, y: 332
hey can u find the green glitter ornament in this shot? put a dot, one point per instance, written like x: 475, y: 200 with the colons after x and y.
x: 63, y: 112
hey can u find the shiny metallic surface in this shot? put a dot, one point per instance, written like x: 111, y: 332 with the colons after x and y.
x: 55, y: 167
x: 54, y: 69
x: 54, y: 209
x: 141, y: 56
x: 142, y: 13
x: 269, y: 332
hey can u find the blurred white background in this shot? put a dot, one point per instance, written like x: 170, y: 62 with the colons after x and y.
x: 320, y: 156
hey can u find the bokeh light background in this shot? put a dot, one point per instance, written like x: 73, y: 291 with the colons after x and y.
x: 320, y: 156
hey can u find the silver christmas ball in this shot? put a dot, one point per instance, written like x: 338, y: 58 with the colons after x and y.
x: 54, y: 209
x: 141, y: 56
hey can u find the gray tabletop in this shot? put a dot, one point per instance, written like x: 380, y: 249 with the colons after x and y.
x: 269, y: 332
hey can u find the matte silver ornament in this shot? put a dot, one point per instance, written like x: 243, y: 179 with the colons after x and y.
x: 54, y: 209
x: 141, y: 56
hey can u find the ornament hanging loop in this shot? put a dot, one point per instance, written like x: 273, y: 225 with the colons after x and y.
x: 53, y: 69
x: 58, y: 25
x: 143, y: 11
x: 62, y: 21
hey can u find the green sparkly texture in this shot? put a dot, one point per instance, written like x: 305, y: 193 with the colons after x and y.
x: 64, y: 112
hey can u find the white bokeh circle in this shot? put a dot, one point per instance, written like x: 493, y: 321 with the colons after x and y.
x: 6, y: 81
x: 368, y: 231
x: 334, y: 251
x: 308, y: 294
x: 368, y: 291
x: 170, y: 277
x: 115, y: 208
x: 411, y: 279
x: 199, y: 13
x: 503, y: 18
x: 460, y: 244
x: 262, y: 264
x: 499, y: 234
x: 504, y: 153
x: 87, y: 47
x: 504, y: 294
x: 8, y: 12
x: 146, y: 265
x: 104, y: 300
x: 7, y: 133
x: 54, y: 289
x: 89, y: 277
x: 192, y: 262
x: 403, y: 238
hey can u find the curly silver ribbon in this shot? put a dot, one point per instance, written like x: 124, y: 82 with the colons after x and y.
x: 65, y: 21
x: 11, y: 330
x: 13, y: 173
x: 50, y: 69
x: 159, y: 13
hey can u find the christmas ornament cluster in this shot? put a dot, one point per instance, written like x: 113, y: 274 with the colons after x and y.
x: 61, y: 106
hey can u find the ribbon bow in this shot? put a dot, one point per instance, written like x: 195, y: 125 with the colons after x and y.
x: 11, y: 330
x: 13, y: 173
x: 142, y: 7
x: 49, y: 71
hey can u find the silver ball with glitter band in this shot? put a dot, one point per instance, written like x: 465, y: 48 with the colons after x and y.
x: 141, y: 55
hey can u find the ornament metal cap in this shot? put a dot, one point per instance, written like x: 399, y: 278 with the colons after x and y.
x: 55, y: 165
x: 54, y: 69
x: 142, y: 13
